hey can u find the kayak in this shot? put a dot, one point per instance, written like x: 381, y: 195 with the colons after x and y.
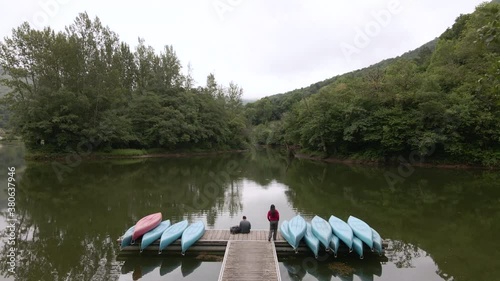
x: 285, y: 233
x: 192, y: 234
x: 153, y: 235
x: 322, y: 230
x: 311, y: 241
x: 342, y: 230
x: 362, y: 230
x: 172, y: 233
x: 358, y: 246
x: 334, y: 244
x: 146, y: 224
x: 377, y: 241
x: 297, y: 229
x: 127, y: 237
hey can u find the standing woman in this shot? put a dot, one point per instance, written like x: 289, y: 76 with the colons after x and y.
x: 273, y: 216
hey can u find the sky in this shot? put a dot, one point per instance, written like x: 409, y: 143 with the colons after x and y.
x: 266, y: 47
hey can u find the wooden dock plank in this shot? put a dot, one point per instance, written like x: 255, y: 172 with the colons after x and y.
x: 250, y: 261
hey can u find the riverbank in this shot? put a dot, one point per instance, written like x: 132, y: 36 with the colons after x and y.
x: 128, y: 154
x: 394, y: 162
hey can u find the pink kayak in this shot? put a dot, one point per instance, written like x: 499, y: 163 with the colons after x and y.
x: 146, y: 224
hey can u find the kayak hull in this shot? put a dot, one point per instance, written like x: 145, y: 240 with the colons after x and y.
x: 297, y: 229
x: 334, y: 244
x: 357, y: 244
x: 311, y: 240
x: 172, y: 233
x: 342, y: 230
x: 154, y: 234
x: 127, y: 237
x: 192, y: 234
x: 146, y: 224
x: 322, y: 230
x: 377, y: 242
x: 285, y: 233
x: 361, y: 230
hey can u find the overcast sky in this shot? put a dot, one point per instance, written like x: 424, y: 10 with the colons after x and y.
x: 267, y: 47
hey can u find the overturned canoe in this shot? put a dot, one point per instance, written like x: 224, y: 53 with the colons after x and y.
x: 361, y: 230
x: 342, y: 230
x: 334, y: 244
x: 191, y: 235
x: 377, y: 241
x: 172, y: 233
x: 311, y: 240
x: 358, y: 246
x: 297, y: 229
x: 322, y: 230
x: 127, y: 237
x: 286, y: 233
x: 154, y: 234
x: 146, y: 224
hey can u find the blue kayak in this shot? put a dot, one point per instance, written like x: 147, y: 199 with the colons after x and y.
x: 311, y: 241
x: 155, y: 233
x: 323, y: 231
x: 127, y: 237
x: 172, y: 233
x: 286, y: 233
x: 297, y: 229
x: 191, y: 235
x: 342, y: 230
x: 334, y: 244
x: 358, y: 246
x: 362, y: 230
x: 377, y: 241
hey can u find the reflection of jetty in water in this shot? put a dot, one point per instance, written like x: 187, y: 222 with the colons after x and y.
x: 140, y: 266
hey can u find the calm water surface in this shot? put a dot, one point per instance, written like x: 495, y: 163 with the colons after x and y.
x: 441, y: 224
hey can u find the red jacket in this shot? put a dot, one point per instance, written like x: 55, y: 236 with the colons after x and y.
x: 273, y: 217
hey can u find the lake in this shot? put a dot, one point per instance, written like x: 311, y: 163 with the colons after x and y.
x: 441, y: 224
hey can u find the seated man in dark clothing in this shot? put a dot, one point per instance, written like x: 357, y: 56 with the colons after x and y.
x: 245, y: 225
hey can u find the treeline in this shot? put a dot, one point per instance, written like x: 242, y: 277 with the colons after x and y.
x: 83, y: 85
x: 443, y: 104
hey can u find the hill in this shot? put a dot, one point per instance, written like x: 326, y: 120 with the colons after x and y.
x: 439, y: 102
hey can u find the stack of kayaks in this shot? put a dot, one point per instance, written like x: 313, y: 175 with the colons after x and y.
x: 150, y: 228
x: 354, y: 234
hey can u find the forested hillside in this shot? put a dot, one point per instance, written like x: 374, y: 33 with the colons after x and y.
x: 83, y: 86
x: 4, y: 116
x: 441, y: 103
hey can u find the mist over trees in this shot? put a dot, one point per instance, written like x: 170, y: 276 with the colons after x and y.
x: 85, y: 85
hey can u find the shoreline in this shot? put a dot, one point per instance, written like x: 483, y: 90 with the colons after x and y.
x: 350, y: 161
x: 105, y: 156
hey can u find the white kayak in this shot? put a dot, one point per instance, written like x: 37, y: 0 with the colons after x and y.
x: 334, y: 244
x: 358, y: 246
x: 286, y: 233
x: 377, y: 242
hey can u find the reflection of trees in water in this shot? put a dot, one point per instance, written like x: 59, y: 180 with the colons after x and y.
x: 233, y: 198
x: 402, y: 254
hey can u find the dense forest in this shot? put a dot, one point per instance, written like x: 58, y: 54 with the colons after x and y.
x: 441, y: 102
x: 83, y: 86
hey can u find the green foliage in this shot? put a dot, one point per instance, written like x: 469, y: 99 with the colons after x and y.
x: 436, y: 103
x: 84, y: 86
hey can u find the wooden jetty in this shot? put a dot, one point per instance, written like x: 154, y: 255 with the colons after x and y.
x: 216, y: 241
x: 251, y: 260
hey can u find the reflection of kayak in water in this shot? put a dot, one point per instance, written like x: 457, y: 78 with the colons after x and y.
x: 189, y: 266
x: 169, y: 265
x: 140, y: 266
x: 295, y: 271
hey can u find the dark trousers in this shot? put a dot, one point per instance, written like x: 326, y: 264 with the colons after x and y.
x: 273, y: 230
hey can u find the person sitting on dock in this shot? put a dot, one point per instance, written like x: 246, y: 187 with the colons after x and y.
x: 245, y: 225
